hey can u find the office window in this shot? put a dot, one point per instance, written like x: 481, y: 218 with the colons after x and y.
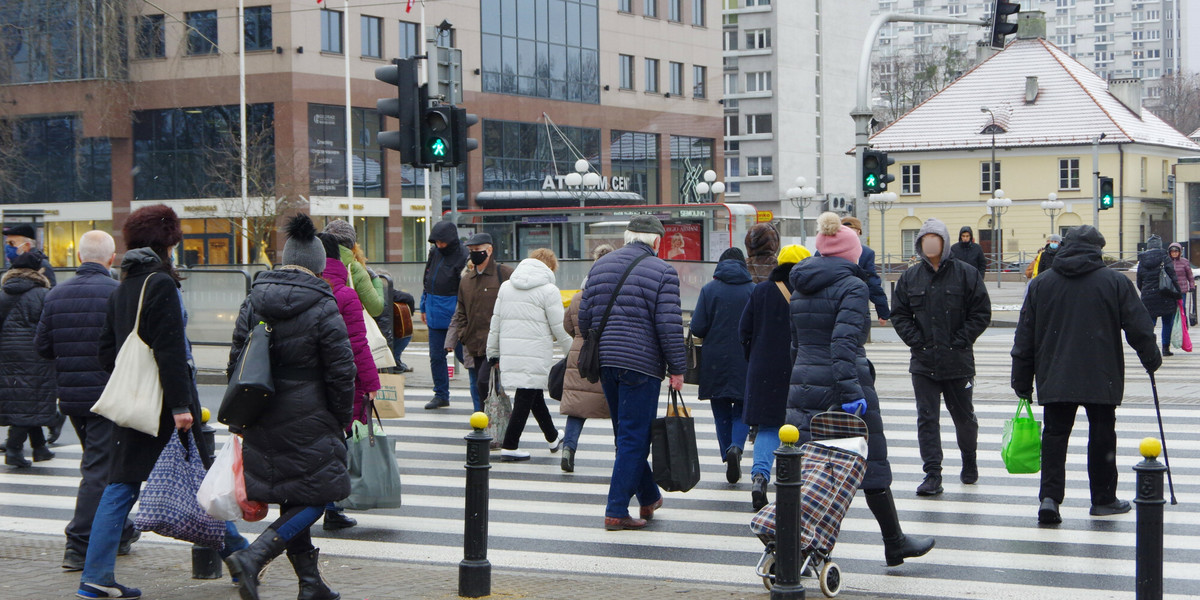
x: 625, y: 6
x: 989, y: 177
x: 910, y: 179
x: 151, y: 40
x: 541, y: 48
x: 675, y: 10
x: 626, y: 72
x: 202, y: 32
x: 651, y: 74
x: 650, y: 8
x: 758, y: 165
x: 1068, y: 173
x: 758, y: 81
x: 676, y: 79
x: 758, y: 123
x: 331, y: 31
x: 372, y: 30
x: 731, y: 39
x: 698, y: 17
x: 410, y: 39
x: 757, y: 39
x: 57, y: 163
x: 731, y: 125
x: 731, y: 85
x: 635, y: 155
x: 758, y: 2
x: 732, y: 169
x: 699, y: 81
x: 258, y: 28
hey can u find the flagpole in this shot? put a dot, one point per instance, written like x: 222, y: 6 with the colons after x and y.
x: 349, y: 127
x: 242, y: 118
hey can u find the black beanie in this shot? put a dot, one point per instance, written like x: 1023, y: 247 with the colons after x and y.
x: 732, y: 253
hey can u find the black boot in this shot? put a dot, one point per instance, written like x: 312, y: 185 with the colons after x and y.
x: 15, y: 457
x: 1167, y: 350
x: 758, y: 493
x: 335, y: 519
x: 246, y: 564
x: 42, y: 453
x: 896, y: 545
x: 312, y: 585
x: 970, y: 470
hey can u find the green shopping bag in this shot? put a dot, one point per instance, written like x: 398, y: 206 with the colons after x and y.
x: 1021, y: 445
x: 374, y: 475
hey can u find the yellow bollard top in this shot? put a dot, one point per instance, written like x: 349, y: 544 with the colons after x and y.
x: 479, y: 420
x: 1150, y: 447
x: 204, y: 415
x: 788, y: 434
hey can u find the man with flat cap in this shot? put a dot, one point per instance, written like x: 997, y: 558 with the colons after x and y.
x: 641, y: 342
x: 473, y: 316
x: 18, y: 240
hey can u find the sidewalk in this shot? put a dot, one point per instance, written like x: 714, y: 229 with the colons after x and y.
x: 30, y: 570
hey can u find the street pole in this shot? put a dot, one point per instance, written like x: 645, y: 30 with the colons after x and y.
x: 434, y: 174
x: 1096, y: 182
x: 349, y: 120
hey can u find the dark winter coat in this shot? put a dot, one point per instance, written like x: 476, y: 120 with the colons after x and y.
x: 765, y: 333
x: 762, y: 246
x: 477, y: 295
x: 443, y: 271
x: 161, y: 327
x: 866, y: 261
x: 1150, y: 263
x: 645, y: 330
x: 27, y: 382
x: 69, y: 334
x: 296, y: 452
x: 1046, y: 259
x: 1183, y: 269
x: 829, y: 325
x: 718, y: 311
x: 939, y: 314
x: 968, y: 252
x: 1069, y: 333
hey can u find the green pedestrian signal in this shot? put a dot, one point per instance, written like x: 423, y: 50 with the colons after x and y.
x: 1106, y: 193
x: 437, y: 148
x: 435, y: 130
x: 875, y: 171
x: 870, y: 180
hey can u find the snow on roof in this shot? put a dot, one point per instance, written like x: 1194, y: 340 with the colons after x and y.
x: 1195, y: 135
x: 1072, y: 106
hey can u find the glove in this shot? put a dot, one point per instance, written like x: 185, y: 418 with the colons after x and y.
x: 857, y: 408
x: 494, y: 361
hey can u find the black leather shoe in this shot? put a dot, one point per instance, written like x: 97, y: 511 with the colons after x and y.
x: 336, y: 519
x: 733, y: 464
x: 73, y: 560
x: 437, y: 403
x: 932, y: 485
x: 1048, y: 512
x: 1116, y: 507
x: 42, y: 454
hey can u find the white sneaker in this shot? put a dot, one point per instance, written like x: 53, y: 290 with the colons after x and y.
x: 558, y: 442
x: 513, y: 455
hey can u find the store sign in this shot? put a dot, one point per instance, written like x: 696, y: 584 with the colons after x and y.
x: 326, y: 151
x: 765, y: 216
x: 558, y: 182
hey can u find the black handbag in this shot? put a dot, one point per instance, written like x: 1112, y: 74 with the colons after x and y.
x: 1168, y: 286
x: 589, y: 352
x: 557, y: 373
x: 251, y: 386
x: 676, y: 461
x: 694, y: 350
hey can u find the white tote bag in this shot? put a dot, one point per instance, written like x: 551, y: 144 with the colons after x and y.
x: 379, y: 346
x: 133, y: 396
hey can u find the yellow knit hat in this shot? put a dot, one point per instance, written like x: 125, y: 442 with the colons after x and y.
x: 793, y: 253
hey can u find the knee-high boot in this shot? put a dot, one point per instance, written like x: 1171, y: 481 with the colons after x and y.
x: 246, y: 564
x: 312, y: 585
x: 896, y: 545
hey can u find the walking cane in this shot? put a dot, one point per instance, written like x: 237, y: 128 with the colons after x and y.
x: 1163, y: 437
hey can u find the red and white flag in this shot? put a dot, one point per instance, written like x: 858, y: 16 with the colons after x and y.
x: 408, y: 8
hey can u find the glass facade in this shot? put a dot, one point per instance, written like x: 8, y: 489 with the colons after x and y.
x: 195, y: 152
x: 258, y: 28
x: 327, y: 151
x: 62, y: 237
x: 202, y: 32
x: 690, y: 157
x: 542, y: 48
x: 635, y: 155
x: 151, y: 37
x: 519, y: 156
x: 55, y: 163
x: 61, y: 40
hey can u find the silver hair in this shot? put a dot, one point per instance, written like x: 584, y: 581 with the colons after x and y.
x: 650, y: 239
x: 96, y: 246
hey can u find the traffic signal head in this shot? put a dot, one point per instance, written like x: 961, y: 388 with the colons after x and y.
x: 461, y: 122
x: 436, y: 139
x: 875, y: 171
x: 405, y: 107
x: 1001, y: 28
x: 1106, y: 193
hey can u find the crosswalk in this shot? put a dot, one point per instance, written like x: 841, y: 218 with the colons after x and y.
x: 988, y: 542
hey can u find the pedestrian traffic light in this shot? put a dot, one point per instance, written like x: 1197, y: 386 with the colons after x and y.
x: 1001, y: 28
x: 1106, y: 193
x: 405, y: 107
x: 460, y: 122
x: 875, y: 171
x: 436, y: 140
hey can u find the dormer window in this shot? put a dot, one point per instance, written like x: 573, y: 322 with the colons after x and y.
x: 993, y: 129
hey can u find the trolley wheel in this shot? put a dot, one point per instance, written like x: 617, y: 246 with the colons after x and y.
x: 830, y: 579
x: 769, y: 568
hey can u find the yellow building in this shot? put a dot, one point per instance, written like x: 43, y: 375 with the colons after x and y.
x: 1030, y: 121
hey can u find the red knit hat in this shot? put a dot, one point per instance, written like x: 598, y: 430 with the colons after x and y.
x: 835, y: 239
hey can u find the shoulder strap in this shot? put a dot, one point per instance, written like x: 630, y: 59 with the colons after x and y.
x: 137, y: 319
x: 613, y: 298
x: 783, y: 288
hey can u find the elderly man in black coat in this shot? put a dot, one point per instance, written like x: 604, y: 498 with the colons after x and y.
x: 1073, y: 349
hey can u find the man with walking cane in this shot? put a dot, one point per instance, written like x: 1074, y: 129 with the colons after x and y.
x: 1074, y: 350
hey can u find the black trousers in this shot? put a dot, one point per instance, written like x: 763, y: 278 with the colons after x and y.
x: 524, y: 402
x: 17, y: 435
x: 483, y: 377
x: 958, y: 394
x: 1101, y: 453
x: 95, y: 435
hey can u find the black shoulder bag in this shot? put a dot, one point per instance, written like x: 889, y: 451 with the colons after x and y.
x: 589, y: 352
x: 1168, y: 286
x: 251, y: 386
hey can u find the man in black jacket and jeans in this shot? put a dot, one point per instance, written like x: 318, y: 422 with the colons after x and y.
x: 1074, y: 349
x: 939, y: 308
x: 967, y: 251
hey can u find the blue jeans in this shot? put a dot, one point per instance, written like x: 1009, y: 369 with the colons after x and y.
x: 572, y: 431
x: 727, y: 413
x: 765, y: 444
x: 1168, y: 322
x: 398, y: 347
x: 632, y: 403
x: 437, y: 362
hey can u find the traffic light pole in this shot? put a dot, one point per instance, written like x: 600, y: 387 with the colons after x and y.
x: 1096, y: 182
x: 434, y: 174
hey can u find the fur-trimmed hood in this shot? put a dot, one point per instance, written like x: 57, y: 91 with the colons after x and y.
x: 22, y: 280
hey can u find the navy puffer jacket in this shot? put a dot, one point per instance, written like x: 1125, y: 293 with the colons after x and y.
x: 645, y: 330
x: 829, y: 322
x: 69, y: 334
x: 718, y: 312
x: 27, y: 384
x: 1150, y: 263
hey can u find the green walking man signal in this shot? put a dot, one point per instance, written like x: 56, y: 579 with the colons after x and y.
x: 437, y: 148
x: 1106, y: 193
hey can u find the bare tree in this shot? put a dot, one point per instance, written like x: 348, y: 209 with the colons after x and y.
x: 1179, y: 104
x: 903, y: 81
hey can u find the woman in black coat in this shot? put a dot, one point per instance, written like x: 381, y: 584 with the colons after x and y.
x: 1159, y: 305
x: 829, y: 325
x: 295, y: 453
x: 27, y: 382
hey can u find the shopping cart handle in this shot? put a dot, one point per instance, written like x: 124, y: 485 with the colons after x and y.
x: 857, y: 408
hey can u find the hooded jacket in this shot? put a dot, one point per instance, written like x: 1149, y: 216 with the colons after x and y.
x: 1150, y: 262
x: 527, y: 322
x: 762, y: 246
x: 27, y: 382
x: 581, y: 398
x: 718, y: 312
x: 939, y: 314
x: 295, y: 453
x: 968, y: 252
x: 366, y: 379
x: 443, y: 272
x: 765, y: 333
x: 1073, y: 347
x: 1183, y: 269
x: 69, y: 334
x: 829, y: 325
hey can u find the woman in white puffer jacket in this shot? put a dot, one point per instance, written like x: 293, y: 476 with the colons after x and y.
x: 526, y: 323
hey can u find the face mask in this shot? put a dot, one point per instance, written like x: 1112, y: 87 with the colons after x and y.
x: 10, y: 252
x: 1053, y: 245
x: 478, y: 256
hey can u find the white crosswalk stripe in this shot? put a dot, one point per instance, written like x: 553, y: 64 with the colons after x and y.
x: 988, y: 543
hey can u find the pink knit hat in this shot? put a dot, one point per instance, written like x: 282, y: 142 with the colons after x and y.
x: 835, y: 239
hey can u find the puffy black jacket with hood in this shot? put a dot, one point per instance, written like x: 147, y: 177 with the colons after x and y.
x: 718, y: 311
x: 968, y: 252
x: 939, y: 314
x: 69, y: 334
x: 443, y: 271
x: 765, y: 332
x: 296, y: 452
x: 1072, y: 345
x: 829, y: 325
x: 1150, y: 263
x: 27, y: 384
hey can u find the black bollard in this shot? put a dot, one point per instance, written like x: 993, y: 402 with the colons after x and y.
x: 1150, y: 502
x: 475, y: 572
x: 787, y: 517
x: 206, y: 563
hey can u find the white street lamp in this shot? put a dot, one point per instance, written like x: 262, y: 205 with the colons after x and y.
x: 1052, y: 206
x: 801, y: 196
x: 710, y: 186
x: 584, y: 182
x: 998, y: 205
x: 883, y: 202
